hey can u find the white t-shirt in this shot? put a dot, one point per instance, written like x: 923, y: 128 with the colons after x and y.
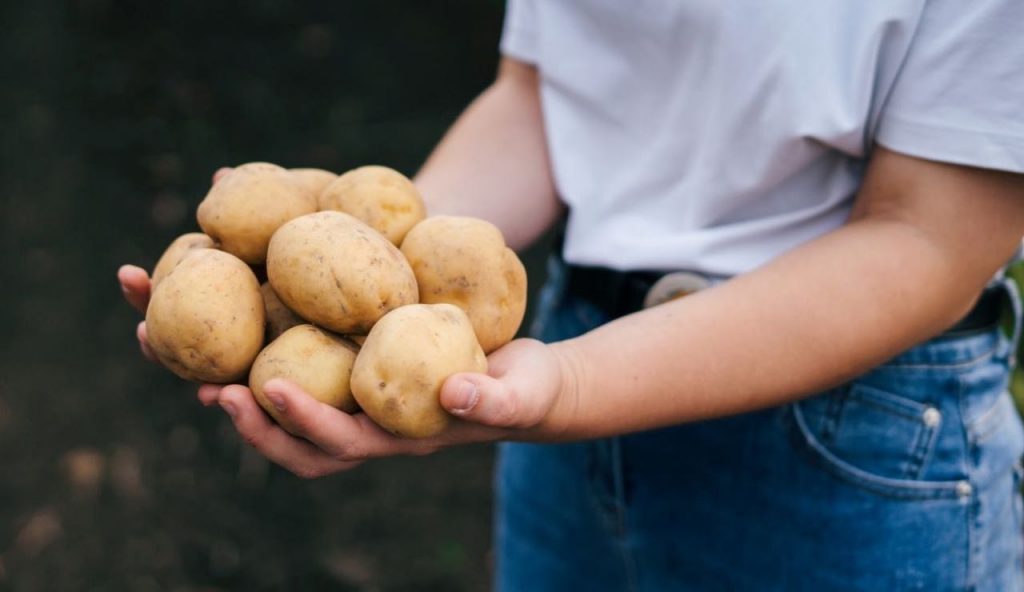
x: 714, y: 135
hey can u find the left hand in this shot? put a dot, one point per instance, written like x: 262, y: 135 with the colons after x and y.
x: 524, y: 395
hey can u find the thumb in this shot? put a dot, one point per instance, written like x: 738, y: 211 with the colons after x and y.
x: 481, y: 399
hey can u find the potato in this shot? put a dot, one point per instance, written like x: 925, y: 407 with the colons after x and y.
x: 205, y: 319
x: 338, y: 273
x: 242, y: 210
x: 381, y: 197
x: 279, y: 317
x: 176, y: 252
x: 407, y: 356
x: 317, y: 361
x: 464, y: 261
x: 313, y: 181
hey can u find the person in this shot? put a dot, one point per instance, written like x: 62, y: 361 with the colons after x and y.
x: 830, y: 412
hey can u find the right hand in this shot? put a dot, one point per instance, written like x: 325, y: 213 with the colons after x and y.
x: 136, y: 287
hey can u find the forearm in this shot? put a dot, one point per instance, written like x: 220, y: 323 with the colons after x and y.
x: 818, y: 316
x: 493, y: 162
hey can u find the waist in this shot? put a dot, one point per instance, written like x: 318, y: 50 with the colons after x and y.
x: 618, y: 293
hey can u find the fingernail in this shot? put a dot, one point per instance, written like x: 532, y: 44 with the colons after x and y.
x: 229, y: 408
x: 276, y: 400
x: 466, y: 397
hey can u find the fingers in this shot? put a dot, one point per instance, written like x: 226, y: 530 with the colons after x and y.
x: 209, y: 393
x: 517, y: 392
x: 482, y: 399
x: 296, y: 455
x: 140, y: 333
x: 220, y: 174
x: 135, y: 286
x: 343, y: 436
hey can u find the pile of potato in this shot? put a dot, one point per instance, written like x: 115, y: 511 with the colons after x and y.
x: 369, y: 304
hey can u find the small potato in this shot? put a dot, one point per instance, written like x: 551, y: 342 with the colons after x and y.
x: 242, y: 210
x: 317, y: 361
x: 407, y: 356
x: 464, y: 261
x: 313, y: 181
x: 176, y: 252
x: 205, y: 320
x: 381, y: 197
x: 338, y: 273
x: 279, y: 317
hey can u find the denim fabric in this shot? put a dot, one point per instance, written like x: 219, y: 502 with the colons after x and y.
x: 904, y: 479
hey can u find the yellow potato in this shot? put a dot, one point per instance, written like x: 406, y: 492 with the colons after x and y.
x: 317, y: 361
x: 338, y: 273
x: 176, y: 252
x: 279, y: 317
x: 407, y: 356
x: 313, y: 181
x: 464, y: 261
x: 381, y: 197
x: 242, y: 210
x: 205, y: 320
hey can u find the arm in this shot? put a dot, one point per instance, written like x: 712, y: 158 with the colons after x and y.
x: 493, y: 163
x: 923, y: 240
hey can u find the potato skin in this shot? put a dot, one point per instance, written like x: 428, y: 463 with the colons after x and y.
x: 279, y: 317
x: 205, y: 319
x: 406, y: 358
x: 319, y: 362
x: 242, y: 210
x: 176, y: 251
x: 383, y: 198
x: 338, y: 273
x: 313, y: 180
x: 464, y: 261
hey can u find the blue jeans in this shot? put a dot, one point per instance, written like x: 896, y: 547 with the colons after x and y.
x: 906, y: 478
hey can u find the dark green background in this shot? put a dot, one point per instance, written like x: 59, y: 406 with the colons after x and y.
x: 114, y: 114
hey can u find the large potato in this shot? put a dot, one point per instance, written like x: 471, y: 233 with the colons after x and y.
x: 242, y: 210
x: 407, y: 356
x: 205, y: 319
x: 176, y: 252
x: 313, y: 181
x: 381, y: 197
x: 317, y: 361
x: 338, y: 273
x: 464, y: 261
x: 279, y: 317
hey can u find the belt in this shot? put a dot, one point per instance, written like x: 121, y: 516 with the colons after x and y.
x: 618, y: 293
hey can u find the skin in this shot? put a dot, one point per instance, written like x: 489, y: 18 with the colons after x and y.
x: 923, y: 240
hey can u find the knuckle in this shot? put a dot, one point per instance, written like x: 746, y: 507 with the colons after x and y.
x: 350, y: 452
x: 508, y: 410
x: 253, y: 439
x: 307, y: 472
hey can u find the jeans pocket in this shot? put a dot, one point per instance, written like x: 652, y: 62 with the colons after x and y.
x: 877, y: 440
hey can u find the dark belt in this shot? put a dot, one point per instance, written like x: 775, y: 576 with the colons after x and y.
x: 618, y: 293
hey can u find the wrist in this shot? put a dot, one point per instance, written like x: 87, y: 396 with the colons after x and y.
x: 562, y: 421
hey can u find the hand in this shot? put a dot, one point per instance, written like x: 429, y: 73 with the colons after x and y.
x: 526, y: 394
x: 136, y: 287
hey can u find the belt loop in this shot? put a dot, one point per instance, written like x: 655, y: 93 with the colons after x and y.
x: 1014, y: 295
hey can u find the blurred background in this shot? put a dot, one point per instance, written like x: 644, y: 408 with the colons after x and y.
x: 114, y: 115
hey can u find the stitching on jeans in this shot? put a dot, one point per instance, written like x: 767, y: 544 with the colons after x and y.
x: 886, y: 486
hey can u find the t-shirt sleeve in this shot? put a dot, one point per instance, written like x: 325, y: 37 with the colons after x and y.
x: 959, y: 97
x: 519, y: 34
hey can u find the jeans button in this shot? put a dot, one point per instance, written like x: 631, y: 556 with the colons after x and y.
x: 964, y: 489
x: 931, y: 417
